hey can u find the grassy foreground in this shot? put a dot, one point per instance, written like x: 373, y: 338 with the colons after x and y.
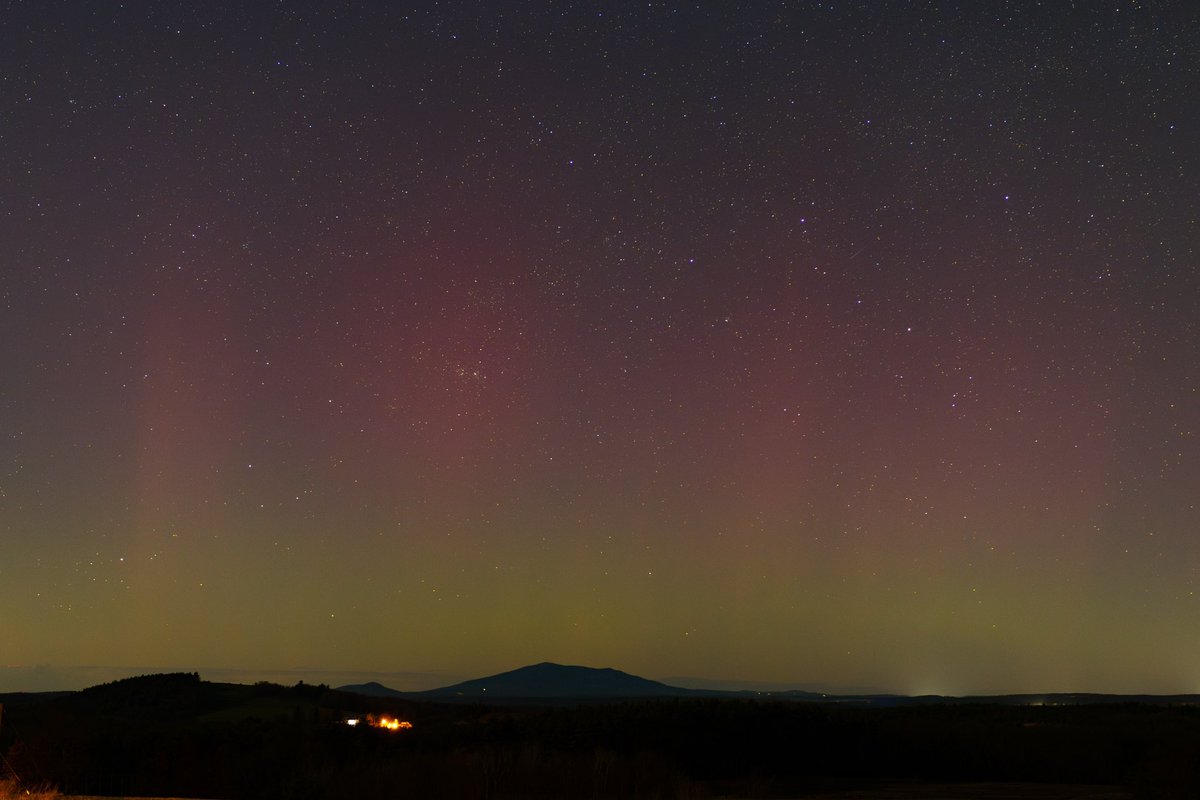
x: 12, y: 790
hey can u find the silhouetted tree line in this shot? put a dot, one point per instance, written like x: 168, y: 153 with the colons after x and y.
x: 176, y: 735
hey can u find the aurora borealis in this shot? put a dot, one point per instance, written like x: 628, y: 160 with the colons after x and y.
x: 825, y: 344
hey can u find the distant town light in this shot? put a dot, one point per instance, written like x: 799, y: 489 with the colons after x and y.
x: 383, y: 721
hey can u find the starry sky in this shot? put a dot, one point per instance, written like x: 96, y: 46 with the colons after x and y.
x: 828, y: 344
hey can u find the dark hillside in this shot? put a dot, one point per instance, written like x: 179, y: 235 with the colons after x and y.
x: 175, y: 735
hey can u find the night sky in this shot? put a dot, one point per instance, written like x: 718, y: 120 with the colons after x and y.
x: 829, y: 344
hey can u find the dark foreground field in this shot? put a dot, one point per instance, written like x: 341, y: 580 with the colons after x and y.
x: 178, y: 736
x: 915, y: 791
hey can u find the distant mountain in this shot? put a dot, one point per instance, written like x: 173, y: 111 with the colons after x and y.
x: 556, y: 680
x: 371, y: 689
x: 556, y: 684
x: 542, y: 681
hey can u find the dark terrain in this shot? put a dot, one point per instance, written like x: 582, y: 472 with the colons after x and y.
x: 176, y: 735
